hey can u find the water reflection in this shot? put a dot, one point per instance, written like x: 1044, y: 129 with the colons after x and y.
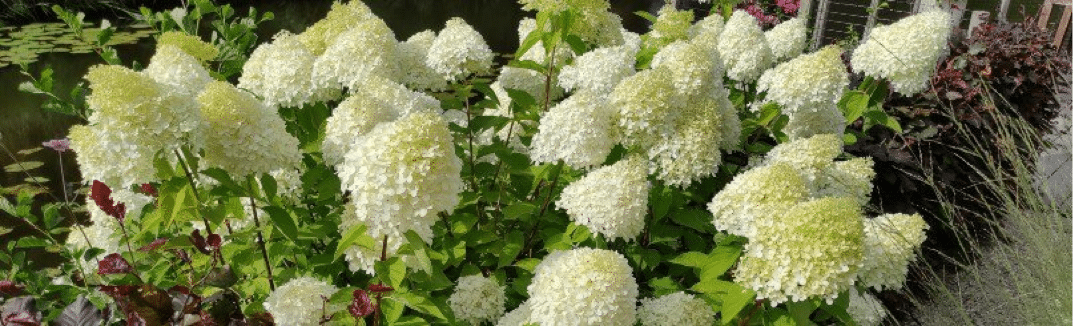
x: 23, y: 125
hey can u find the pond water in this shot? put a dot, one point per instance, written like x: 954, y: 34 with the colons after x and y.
x: 23, y: 125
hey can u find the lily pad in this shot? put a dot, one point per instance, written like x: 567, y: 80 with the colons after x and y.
x: 23, y: 166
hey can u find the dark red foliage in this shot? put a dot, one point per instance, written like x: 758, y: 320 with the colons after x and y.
x: 113, y: 264
x: 214, y: 241
x: 380, y: 288
x: 361, y: 305
x: 102, y: 196
x: 148, y: 189
x: 10, y: 288
x: 199, y: 242
x: 153, y: 245
x: 117, y: 291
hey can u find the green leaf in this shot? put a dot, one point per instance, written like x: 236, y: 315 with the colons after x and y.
x: 23, y: 166
x: 528, y: 64
x: 735, y: 300
x: 224, y: 179
x: 661, y: 199
x: 511, y: 248
x: 533, y: 37
x: 801, y: 310
x: 881, y: 118
x: 691, y: 259
x: 392, y: 309
x: 36, y: 180
x: 268, y: 185
x: 391, y: 271
x: 645, y: 15
x: 696, y: 219
x: 354, y: 236
x: 576, y: 44
x: 283, y: 221
x: 410, y: 321
x: 853, y: 104
x: 29, y: 87
x: 720, y: 260
x: 519, y: 211
x: 420, y: 251
x: 423, y: 305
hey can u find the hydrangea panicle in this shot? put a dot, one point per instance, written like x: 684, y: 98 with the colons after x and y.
x: 906, y: 51
x: 459, y: 51
x: 478, y: 299
x: 891, y: 242
x: 743, y: 48
x: 243, y: 136
x: 583, y: 286
x: 612, y: 200
x: 675, y: 309
x: 579, y: 131
x: 299, y: 302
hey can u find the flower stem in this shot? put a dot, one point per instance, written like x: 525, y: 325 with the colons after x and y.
x: 193, y: 186
x: 261, y: 243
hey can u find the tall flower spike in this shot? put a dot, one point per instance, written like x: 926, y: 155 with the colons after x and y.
x: 243, y: 136
x: 583, y: 286
x: 906, y: 51
x: 459, y: 51
x: 743, y: 48
x: 611, y: 201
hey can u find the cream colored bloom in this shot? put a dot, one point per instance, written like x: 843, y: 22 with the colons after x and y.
x: 905, y: 52
x: 611, y: 201
x: 583, y: 286
x: 299, y: 302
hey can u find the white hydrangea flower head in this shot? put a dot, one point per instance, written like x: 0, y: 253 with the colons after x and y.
x: 671, y: 25
x: 809, y: 155
x: 754, y: 194
x: 134, y: 118
x: 905, y: 52
x: 712, y: 24
x: 243, y: 136
x: 743, y: 48
x: 365, y: 50
x: 612, y: 200
x: 731, y: 136
x: 189, y: 44
x: 675, y: 309
x: 530, y: 81
x: 579, y: 131
x: 599, y: 70
x: 400, y: 176
x: 413, y: 53
x: 865, y: 308
x: 350, y: 121
x: 583, y: 286
x: 890, y: 244
x: 693, y: 72
x: 177, y: 71
x: 280, y: 72
x: 817, y: 120
x: 809, y: 81
x: 299, y: 302
x: 787, y: 39
x: 812, y: 249
x: 557, y: 6
x: 459, y: 51
x: 361, y: 258
x: 377, y: 101
x: 517, y: 317
x: 648, y: 106
x: 851, y: 178
x: 691, y: 151
x: 600, y: 28
x: 339, y: 19
x: 478, y: 299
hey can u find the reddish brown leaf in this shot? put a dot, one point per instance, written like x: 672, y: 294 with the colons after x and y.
x: 10, y: 288
x: 153, y: 245
x: 113, y: 264
x: 380, y: 288
x: 361, y: 305
x: 102, y: 196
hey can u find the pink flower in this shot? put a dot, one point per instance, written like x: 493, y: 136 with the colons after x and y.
x: 788, y: 6
x: 59, y: 145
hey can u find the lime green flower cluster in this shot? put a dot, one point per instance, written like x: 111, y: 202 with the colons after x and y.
x: 906, y: 51
x: 399, y: 176
x: 671, y: 25
x: 675, y: 309
x: 808, y: 237
x: 243, y: 136
x: 611, y: 201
